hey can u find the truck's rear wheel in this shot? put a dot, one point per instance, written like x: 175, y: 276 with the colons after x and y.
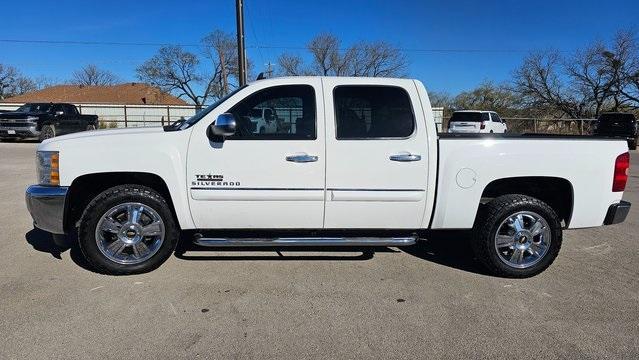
x: 128, y: 229
x: 517, y: 236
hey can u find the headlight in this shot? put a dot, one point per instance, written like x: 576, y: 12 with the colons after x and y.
x: 48, y: 167
x: 32, y: 118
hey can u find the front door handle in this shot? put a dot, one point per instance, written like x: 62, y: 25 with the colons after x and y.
x: 301, y: 158
x: 405, y: 157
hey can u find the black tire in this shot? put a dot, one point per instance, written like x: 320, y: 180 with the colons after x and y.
x: 91, y: 127
x: 632, y: 144
x: 488, y: 222
x: 47, y: 132
x: 114, y: 197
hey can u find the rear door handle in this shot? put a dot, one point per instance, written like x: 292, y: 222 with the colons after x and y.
x: 406, y: 157
x: 301, y: 158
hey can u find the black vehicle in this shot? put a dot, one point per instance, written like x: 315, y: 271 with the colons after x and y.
x: 618, y: 125
x: 44, y: 121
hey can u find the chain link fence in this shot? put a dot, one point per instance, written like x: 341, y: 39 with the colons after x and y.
x: 123, y: 116
x: 550, y: 126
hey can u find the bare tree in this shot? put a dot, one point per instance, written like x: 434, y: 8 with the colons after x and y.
x: 91, y: 75
x: 176, y: 70
x: 490, y: 96
x: 622, y: 67
x: 538, y: 81
x: 361, y: 59
x: 593, y: 80
x: 173, y: 69
x: 377, y: 59
x: 324, y: 49
x: 220, y: 49
x: 589, y: 77
x: 13, y: 83
x: 292, y: 65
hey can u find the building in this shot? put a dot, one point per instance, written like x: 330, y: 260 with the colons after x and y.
x: 124, y: 105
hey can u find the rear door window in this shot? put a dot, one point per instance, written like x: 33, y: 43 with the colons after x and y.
x: 372, y: 112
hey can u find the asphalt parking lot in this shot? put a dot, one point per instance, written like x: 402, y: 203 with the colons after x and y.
x: 427, y: 301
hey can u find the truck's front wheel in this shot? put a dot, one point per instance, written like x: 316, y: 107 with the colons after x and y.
x: 517, y: 236
x: 127, y: 229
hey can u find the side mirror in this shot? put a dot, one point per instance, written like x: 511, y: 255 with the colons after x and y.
x: 59, y: 113
x: 224, y: 126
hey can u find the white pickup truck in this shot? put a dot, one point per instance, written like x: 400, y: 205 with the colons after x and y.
x: 353, y: 162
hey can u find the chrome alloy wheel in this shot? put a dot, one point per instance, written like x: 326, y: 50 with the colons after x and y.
x: 130, y: 233
x: 523, y: 239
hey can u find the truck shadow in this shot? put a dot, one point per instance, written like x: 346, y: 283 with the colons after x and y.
x: 45, y: 242
x: 447, y: 248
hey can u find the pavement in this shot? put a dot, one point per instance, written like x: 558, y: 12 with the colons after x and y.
x: 427, y: 301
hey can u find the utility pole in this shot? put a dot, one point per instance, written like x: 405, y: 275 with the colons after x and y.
x: 269, y: 70
x: 241, y: 55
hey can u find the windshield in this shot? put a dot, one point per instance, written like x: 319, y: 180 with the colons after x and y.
x: 466, y: 116
x: 202, y: 113
x: 34, y: 108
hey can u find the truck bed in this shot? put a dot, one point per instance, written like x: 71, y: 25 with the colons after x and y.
x: 468, y: 163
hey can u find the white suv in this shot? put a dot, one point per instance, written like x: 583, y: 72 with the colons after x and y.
x: 476, y: 121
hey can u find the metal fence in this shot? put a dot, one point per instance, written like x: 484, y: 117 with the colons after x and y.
x: 550, y: 126
x: 112, y: 116
x: 546, y: 126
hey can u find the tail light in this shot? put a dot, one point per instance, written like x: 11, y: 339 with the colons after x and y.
x: 482, y: 126
x: 620, y: 178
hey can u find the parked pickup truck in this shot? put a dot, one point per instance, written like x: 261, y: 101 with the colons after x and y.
x: 44, y: 121
x: 360, y: 164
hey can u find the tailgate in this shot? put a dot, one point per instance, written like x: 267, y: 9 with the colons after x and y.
x: 465, y: 126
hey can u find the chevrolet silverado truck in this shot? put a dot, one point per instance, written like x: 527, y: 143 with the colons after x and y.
x: 44, y: 121
x: 360, y: 163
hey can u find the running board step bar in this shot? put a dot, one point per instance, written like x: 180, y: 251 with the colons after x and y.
x: 307, y: 241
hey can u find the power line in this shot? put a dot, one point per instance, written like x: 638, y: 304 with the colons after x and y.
x: 257, y: 46
x: 108, y: 43
x: 249, y: 13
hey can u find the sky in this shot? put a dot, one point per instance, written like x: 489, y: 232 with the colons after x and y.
x: 440, y: 38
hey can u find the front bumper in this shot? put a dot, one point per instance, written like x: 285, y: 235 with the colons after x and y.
x: 18, y: 131
x: 46, y: 205
x: 617, y: 213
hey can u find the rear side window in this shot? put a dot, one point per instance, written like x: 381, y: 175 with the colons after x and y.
x: 372, y: 112
x: 70, y: 110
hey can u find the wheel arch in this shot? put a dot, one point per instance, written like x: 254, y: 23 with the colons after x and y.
x: 86, y: 187
x: 557, y: 192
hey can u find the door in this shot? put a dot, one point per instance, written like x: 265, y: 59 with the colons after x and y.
x: 265, y: 177
x: 75, y: 120
x: 497, y: 123
x: 376, y: 155
x: 59, y: 120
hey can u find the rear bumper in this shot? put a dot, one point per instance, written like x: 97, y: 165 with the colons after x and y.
x: 46, y: 205
x: 617, y: 213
